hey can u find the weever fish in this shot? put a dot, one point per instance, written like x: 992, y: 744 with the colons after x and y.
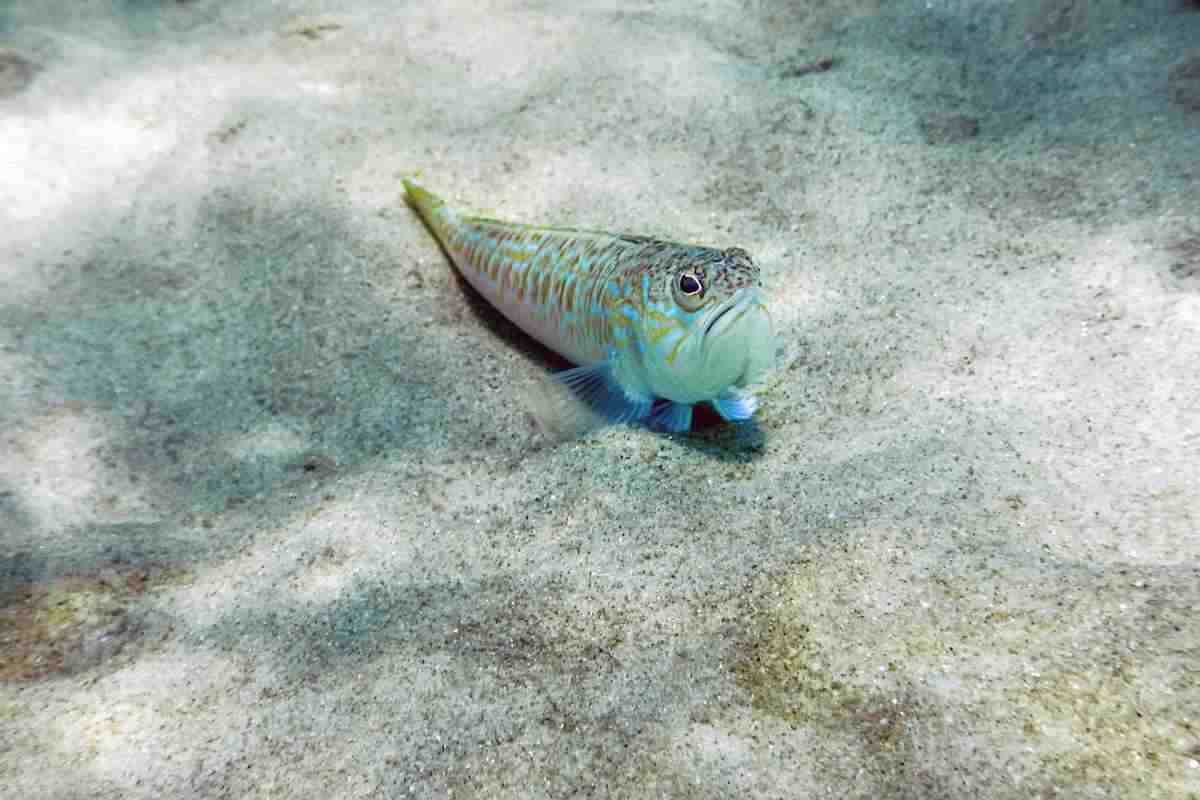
x: 655, y: 327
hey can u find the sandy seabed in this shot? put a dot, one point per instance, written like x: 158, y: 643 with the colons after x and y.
x: 273, y: 518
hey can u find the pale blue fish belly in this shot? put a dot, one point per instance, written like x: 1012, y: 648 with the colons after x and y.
x: 631, y: 311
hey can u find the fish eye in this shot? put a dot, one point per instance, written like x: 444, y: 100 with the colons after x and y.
x: 690, y: 285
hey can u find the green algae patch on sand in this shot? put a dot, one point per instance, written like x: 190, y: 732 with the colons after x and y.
x: 72, y: 623
x: 1082, y: 678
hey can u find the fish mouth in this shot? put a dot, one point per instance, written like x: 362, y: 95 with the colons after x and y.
x: 732, y: 312
x: 717, y: 317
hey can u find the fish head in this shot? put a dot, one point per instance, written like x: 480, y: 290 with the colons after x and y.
x: 706, y: 326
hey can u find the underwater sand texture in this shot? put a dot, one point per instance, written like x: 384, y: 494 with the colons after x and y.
x: 274, y: 518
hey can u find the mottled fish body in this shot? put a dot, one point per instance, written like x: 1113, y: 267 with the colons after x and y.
x: 655, y: 327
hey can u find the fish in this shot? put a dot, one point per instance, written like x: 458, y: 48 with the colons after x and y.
x: 654, y: 328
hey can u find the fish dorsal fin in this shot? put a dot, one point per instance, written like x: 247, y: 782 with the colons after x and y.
x: 556, y: 231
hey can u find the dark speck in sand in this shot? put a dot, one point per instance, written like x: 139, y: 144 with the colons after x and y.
x: 800, y: 68
x: 947, y: 129
x: 1184, y: 84
x: 1185, y: 263
x: 16, y: 73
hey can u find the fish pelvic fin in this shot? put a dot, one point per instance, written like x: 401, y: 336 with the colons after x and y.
x: 596, y: 386
x: 734, y: 407
x: 671, y: 417
x: 579, y: 401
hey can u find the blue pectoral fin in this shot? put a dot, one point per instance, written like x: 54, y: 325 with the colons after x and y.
x: 596, y: 386
x: 735, y: 407
x: 672, y: 418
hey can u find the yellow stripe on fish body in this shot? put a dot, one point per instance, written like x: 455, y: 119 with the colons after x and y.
x: 655, y: 326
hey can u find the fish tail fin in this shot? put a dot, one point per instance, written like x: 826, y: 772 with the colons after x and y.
x: 434, y: 212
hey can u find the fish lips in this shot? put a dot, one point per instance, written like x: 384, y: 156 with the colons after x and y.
x: 728, y: 314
